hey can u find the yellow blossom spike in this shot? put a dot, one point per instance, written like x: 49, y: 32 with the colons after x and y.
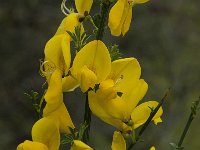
x: 59, y: 115
x: 118, y: 142
x: 68, y: 24
x: 46, y: 131
x: 30, y: 145
x: 141, y: 113
x: 54, y: 92
x: 83, y: 6
x: 79, y: 145
x: 95, y: 57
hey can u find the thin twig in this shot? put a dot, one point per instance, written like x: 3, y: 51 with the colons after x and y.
x: 194, y: 110
x: 104, y: 15
x: 152, y: 114
x: 87, y: 120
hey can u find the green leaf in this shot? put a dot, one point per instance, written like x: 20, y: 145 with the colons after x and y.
x: 114, y: 52
x: 36, y: 101
x: 79, y: 39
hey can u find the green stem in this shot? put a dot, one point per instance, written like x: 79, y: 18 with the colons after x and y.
x: 152, y: 114
x: 185, y: 130
x: 92, y: 22
x: 103, y: 20
x: 87, y: 120
x: 130, y: 146
x: 87, y: 116
x: 194, y: 110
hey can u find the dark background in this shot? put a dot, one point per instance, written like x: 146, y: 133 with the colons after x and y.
x: 164, y: 37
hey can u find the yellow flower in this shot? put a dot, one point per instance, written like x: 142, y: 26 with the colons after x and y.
x: 30, y: 145
x: 83, y: 6
x: 46, y: 131
x: 59, y: 115
x: 120, y: 16
x: 57, y: 54
x: 118, y: 142
x: 116, y: 100
x: 91, y: 65
x: 55, y: 107
x: 79, y: 145
x: 152, y: 148
x: 57, y: 50
x: 45, y: 135
x: 54, y: 92
x: 142, y: 112
x: 69, y: 23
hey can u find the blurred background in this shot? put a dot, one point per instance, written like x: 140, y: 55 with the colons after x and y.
x: 164, y: 37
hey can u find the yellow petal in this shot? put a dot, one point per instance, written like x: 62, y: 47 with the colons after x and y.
x: 102, y: 107
x: 135, y: 93
x: 157, y: 120
x: 29, y: 145
x: 87, y: 78
x: 119, y: 108
x: 59, y: 115
x: 69, y: 84
x: 139, y: 1
x: 127, y: 21
x: 120, y: 125
x: 96, y: 57
x: 68, y: 24
x: 152, y: 148
x: 107, y: 89
x: 123, y: 21
x: 54, y: 92
x: 115, y: 17
x: 66, y: 52
x: 141, y: 113
x: 96, y: 106
x: 83, y: 6
x: 118, y: 142
x: 99, y: 110
x: 125, y: 73
x: 79, y: 145
x: 46, y: 131
x: 53, y: 52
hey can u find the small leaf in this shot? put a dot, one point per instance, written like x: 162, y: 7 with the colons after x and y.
x: 173, y: 145
x: 79, y: 39
x: 114, y: 52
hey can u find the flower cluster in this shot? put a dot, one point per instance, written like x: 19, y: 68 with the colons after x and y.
x: 114, y: 88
